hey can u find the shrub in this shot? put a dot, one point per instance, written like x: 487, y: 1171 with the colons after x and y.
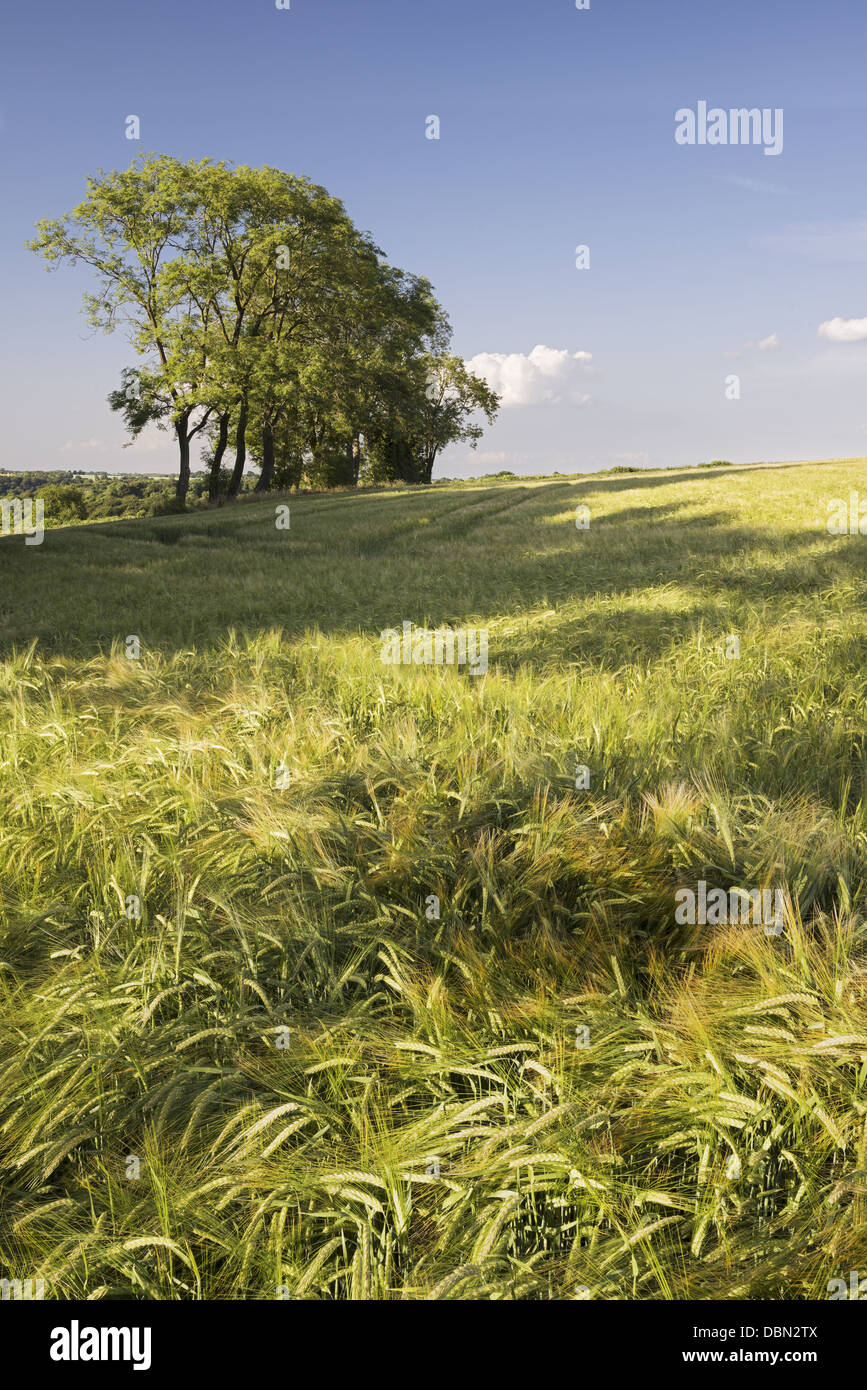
x: 64, y: 503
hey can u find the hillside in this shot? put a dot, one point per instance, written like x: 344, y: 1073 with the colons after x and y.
x: 386, y: 996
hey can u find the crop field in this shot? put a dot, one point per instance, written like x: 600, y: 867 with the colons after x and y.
x: 331, y: 977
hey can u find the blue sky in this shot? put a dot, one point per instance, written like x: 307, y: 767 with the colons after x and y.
x: 557, y: 128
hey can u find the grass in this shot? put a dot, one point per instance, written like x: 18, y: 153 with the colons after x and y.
x: 334, y: 1094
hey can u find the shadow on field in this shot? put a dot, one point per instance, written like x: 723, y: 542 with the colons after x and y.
x: 507, y: 556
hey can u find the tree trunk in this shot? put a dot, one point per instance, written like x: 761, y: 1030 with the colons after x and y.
x: 267, y: 474
x: 184, y: 465
x: 428, y: 466
x: 402, y: 462
x: 219, y: 450
x: 240, y: 451
x: 356, y: 458
x: 345, y: 466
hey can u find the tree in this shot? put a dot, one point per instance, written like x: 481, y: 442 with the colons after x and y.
x: 453, y: 395
x: 64, y: 503
x: 265, y: 320
x: 131, y: 229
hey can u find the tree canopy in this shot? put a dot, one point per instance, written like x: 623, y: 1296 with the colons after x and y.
x: 264, y: 322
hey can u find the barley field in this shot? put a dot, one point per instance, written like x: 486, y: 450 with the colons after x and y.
x: 327, y: 979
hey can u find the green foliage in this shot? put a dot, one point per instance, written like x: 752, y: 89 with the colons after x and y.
x: 64, y: 503
x: 260, y: 312
x: 77, y: 496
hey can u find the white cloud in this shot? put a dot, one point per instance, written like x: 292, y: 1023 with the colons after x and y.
x: 541, y: 376
x: 752, y: 185
x: 844, y: 330
x: 73, y: 446
x: 488, y: 456
x: 769, y: 344
x: 153, y: 440
x: 844, y: 241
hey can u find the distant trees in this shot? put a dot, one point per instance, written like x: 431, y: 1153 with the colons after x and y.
x: 78, y: 496
x: 266, y: 325
x: 64, y: 502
